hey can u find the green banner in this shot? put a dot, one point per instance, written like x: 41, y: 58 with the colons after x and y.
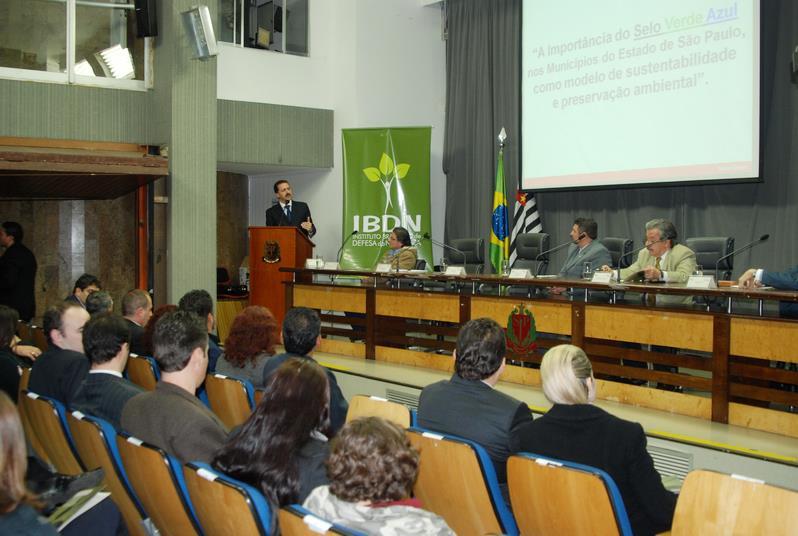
x: 386, y: 185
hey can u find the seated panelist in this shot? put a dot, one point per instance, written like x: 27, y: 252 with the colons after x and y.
x: 757, y: 277
x: 663, y: 260
x: 585, y: 249
x: 401, y: 255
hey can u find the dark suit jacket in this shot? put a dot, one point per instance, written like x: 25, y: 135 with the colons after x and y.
x: 595, y: 253
x: 338, y: 404
x: 10, y: 364
x: 136, y: 338
x: 176, y: 421
x: 58, y: 374
x: 589, y: 435
x: 74, y: 299
x: 475, y: 411
x: 105, y: 395
x: 17, y: 278
x: 783, y: 281
x: 275, y: 216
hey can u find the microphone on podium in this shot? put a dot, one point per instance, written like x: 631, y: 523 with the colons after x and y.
x: 746, y: 247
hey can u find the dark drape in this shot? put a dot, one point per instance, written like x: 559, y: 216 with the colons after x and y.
x: 482, y: 94
x: 479, y: 102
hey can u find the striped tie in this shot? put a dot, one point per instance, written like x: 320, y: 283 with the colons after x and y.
x: 651, y: 299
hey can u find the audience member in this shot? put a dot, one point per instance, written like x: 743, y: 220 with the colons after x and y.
x: 249, y: 345
x: 301, y: 334
x: 400, y: 255
x: 372, y: 468
x: 468, y: 405
x: 149, y: 328
x: 105, y: 392
x: 60, y: 370
x: 577, y: 431
x: 200, y: 303
x: 85, y: 285
x: 282, y: 447
x: 137, y: 310
x: 17, y: 272
x: 10, y: 364
x: 18, y: 505
x: 99, y: 302
x: 171, y: 417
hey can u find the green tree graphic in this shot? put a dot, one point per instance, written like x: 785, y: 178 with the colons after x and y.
x: 386, y: 173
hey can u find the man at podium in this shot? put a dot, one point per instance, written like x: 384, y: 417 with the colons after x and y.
x: 287, y: 212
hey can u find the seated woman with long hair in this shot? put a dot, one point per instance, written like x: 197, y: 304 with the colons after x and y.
x: 372, y: 469
x: 577, y: 431
x: 249, y: 345
x: 282, y: 447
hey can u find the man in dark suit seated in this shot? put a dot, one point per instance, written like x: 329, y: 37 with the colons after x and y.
x: 301, y: 334
x: 85, y: 285
x: 105, y: 392
x: 137, y: 311
x: 757, y: 277
x: 200, y: 303
x: 287, y: 212
x: 172, y: 417
x: 60, y: 370
x: 467, y: 405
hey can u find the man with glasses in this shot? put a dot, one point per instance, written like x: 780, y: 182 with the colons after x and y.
x: 663, y: 260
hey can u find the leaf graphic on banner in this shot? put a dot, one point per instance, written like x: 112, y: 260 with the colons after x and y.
x: 386, y: 164
x: 401, y: 170
x: 372, y: 174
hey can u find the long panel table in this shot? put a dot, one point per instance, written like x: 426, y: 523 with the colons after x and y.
x: 721, y: 359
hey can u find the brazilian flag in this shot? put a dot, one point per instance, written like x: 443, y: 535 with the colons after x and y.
x: 500, y: 228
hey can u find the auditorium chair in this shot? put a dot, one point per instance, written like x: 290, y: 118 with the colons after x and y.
x: 33, y: 439
x: 620, y: 251
x: 421, y: 264
x: 457, y: 481
x: 245, y: 511
x: 576, y: 496
x: 24, y: 331
x: 374, y: 406
x: 231, y: 399
x: 95, y: 442
x: 38, y: 338
x: 143, y: 371
x: 708, y: 249
x: 296, y: 520
x: 473, y: 258
x: 528, y: 247
x: 47, y: 418
x: 157, y: 479
x: 717, y: 503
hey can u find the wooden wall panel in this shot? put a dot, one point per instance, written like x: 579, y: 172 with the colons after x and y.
x: 764, y: 339
x: 680, y: 330
x: 549, y: 317
x: 421, y: 305
x: 348, y: 299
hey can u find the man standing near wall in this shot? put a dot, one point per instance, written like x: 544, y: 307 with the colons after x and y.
x: 17, y: 272
x: 287, y: 212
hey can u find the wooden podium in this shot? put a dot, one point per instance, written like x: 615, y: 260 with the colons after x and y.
x: 272, y: 248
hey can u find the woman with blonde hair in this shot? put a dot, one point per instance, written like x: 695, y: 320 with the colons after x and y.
x: 577, y: 431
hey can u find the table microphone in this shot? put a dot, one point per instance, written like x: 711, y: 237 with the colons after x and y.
x: 758, y: 241
x: 426, y: 236
x: 341, y: 249
x: 551, y: 250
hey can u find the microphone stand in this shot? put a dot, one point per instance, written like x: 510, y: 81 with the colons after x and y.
x: 445, y: 246
x: 341, y: 250
x: 542, y: 254
x: 746, y: 247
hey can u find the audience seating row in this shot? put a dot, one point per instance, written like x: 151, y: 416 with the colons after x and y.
x: 456, y: 480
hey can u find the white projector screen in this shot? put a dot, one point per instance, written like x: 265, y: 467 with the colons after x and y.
x: 630, y: 92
